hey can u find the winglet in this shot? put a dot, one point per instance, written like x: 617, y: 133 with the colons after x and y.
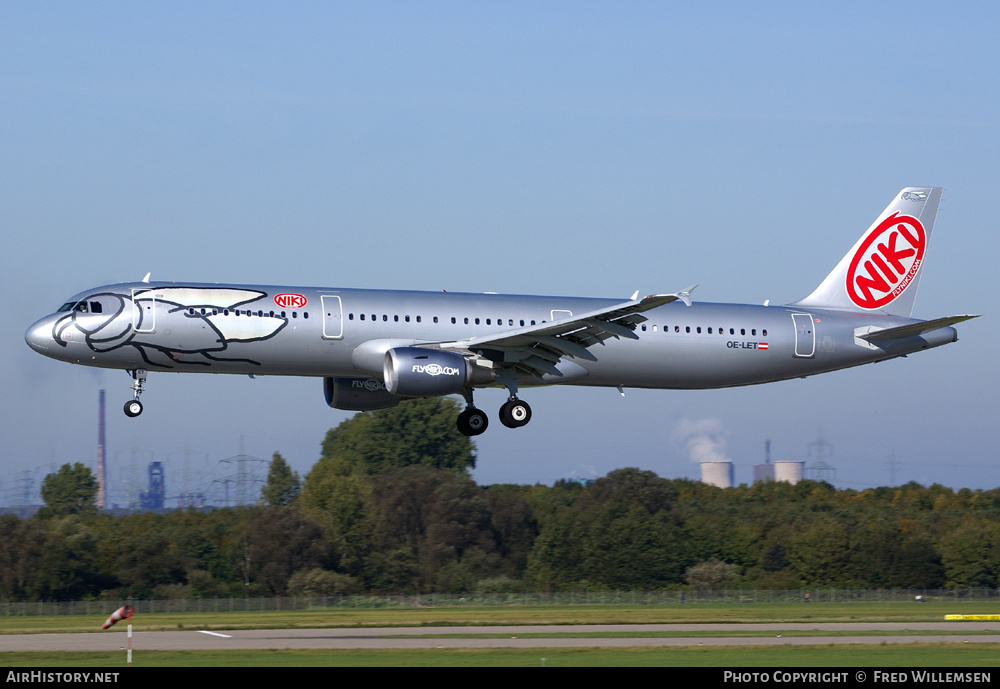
x: 685, y: 295
x: 146, y: 279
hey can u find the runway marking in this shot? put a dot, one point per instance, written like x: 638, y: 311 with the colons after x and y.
x: 224, y: 636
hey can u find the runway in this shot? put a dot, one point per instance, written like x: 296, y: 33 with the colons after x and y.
x: 509, y: 637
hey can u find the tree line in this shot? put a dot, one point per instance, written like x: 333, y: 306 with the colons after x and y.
x: 390, y: 508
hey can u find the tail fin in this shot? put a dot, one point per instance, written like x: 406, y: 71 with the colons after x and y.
x: 881, y: 272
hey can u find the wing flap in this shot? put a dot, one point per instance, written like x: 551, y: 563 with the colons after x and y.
x: 535, y: 350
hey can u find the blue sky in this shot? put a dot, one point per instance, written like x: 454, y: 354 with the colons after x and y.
x: 546, y: 148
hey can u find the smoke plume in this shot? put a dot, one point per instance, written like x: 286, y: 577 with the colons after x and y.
x: 704, y: 438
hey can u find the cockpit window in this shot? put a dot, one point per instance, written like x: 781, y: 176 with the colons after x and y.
x: 93, y: 305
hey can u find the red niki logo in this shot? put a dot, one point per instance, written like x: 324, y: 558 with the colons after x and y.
x: 290, y: 301
x: 886, y: 262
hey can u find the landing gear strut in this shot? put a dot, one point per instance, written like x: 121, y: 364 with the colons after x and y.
x: 472, y: 421
x: 134, y: 407
x: 514, y: 413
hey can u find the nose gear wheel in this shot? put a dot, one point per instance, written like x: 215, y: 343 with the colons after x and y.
x: 134, y: 407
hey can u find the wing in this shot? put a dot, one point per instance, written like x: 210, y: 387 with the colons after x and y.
x: 535, y: 350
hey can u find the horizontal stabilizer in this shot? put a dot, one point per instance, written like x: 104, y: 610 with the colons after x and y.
x: 914, y: 329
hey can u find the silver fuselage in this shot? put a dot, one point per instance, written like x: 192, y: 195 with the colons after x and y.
x: 307, y: 331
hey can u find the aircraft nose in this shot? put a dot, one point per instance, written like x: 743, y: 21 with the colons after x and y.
x: 39, y: 336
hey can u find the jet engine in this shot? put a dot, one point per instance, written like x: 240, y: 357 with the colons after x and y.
x: 417, y: 372
x: 357, y: 394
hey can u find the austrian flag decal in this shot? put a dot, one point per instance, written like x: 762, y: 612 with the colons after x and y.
x: 761, y: 345
x: 886, y: 262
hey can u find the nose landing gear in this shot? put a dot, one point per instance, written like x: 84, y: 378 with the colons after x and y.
x: 134, y: 407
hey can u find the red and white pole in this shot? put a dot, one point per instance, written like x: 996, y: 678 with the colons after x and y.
x: 131, y: 610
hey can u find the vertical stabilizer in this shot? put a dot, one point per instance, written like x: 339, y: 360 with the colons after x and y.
x: 880, y: 273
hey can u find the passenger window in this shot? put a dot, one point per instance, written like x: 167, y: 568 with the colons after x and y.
x: 406, y: 318
x: 418, y: 319
x: 643, y: 328
x: 687, y: 328
x: 453, y: 321
x: 488, y: 322
x: 764, y: 332
x: 385, y: 318
x: 709, y: 331
x: 362, y: 316
x: 699, y: 329
x: 743, y: 331
x: 435, y: 319
x: 477, y: 321
x: 754, y: 332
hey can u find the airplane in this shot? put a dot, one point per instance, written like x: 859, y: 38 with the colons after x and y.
x: 376, y: 348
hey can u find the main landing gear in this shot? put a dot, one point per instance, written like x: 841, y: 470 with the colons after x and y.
x: 472, y: 421
x: 513, y: 414
x: 134, y: 407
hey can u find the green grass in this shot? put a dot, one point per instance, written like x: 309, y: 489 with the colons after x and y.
x: 889, y: 655
x: 692, y: 613
x: 830, y: 655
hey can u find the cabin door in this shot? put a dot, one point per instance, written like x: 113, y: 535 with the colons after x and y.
x: 143, y: 310
x: 333, y: 317
x: 805, y: 335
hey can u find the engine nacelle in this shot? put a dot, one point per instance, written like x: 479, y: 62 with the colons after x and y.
x: 357, y: 394
x: 417, y: 372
